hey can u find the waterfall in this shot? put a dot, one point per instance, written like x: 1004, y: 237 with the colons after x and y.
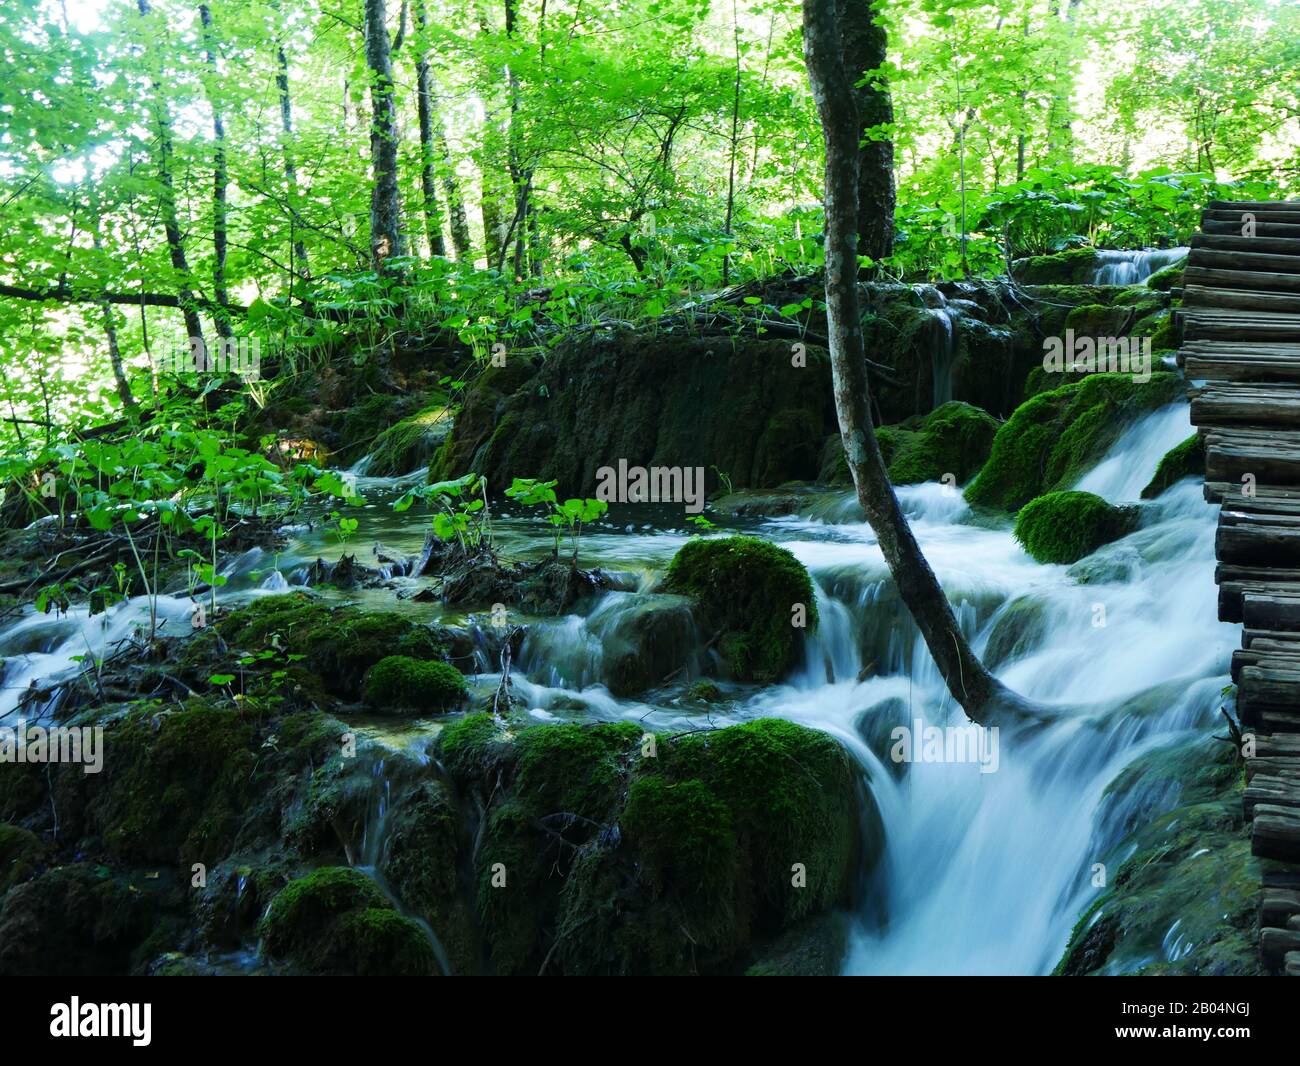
x: 1116, y: 267
x: 940, y: 337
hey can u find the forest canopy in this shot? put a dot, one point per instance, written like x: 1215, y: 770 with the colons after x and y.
x: 167, y: 167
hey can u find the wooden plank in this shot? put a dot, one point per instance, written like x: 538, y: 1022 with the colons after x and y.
x: 1239, y: 368
x: 1237, y: 404
x: 1271, y: 609
x: 1259, y: 545
x: 1258, y: 281
x: 1264, y: 227
x: 1244, y: 299
x: 1279, y: 499
x: 1275, y: 834
x: 1219, y: 214
x: 1219, y: 242
x: 1253, y: 205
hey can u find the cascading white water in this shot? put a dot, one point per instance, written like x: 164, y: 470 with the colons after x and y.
x: 1116, y: 267
x: 982, y: 872
x: 986, y: 872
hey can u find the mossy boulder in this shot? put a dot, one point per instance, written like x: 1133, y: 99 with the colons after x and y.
x: 1063, y: 527
x: 741, y: 405
x: 20, y: 854
x: 335, y: 920
x: 1178, y: 850
x: 411, y: 443
x: 1186, y: 459
x: 1170, y: 277
x: 400, y: 684
x: 86, y: 920
x: 176, y: 790
x: 644, y: 642
x: 1077, y: 266
x: 336, y: 645
x: 420, y: 862
x: 953, y: 439
x: 750, y: 591
x: 608, y: 850
x: 1054, y: 438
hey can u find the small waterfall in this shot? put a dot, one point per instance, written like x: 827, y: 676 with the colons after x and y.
x: 940, y: 337
x: 1116, y: 267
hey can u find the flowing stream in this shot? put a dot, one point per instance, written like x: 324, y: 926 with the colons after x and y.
x: 983, y: 872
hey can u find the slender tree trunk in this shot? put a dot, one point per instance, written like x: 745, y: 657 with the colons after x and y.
x: 863, y: 48
x: 385, y: 198
x: 970, y: 683
x: 299, y: 262
x: 220, y: 182
x: 114, y: 349
x: 428, y: 151
x: 167, y: 204
x: 735, y: 144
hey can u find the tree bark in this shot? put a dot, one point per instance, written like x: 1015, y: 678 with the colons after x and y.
x: 220, y: 182
x: 299, y: 263
x: 967, y: 679
x: 428, y: 151
x: 385, y: 198
x: 114, y: 349
x: 863, y: 46
x: 167, y: 204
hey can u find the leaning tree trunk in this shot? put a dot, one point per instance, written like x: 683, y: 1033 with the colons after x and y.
x: 862, y: 45
x: 385, y: 199
x: 970, y: 683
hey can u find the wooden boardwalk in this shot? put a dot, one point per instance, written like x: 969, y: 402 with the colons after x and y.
x: 1240, y: 323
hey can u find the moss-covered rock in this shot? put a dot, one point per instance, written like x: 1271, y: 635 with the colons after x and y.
x: 1073, y: 267
x: 607, y: 850
x: 644, y: 642
x: 421, y: 863
x: 338, y: 645
x: 20, y: 852
x: 749, y: 590
x: 1182, y: 898
x: 1170, y: 277
x: 411, y: 443
x: 1055, y: 437
x: 740, y: 405
x: 86, y: 920
x: 400, y: 684
x: 335, y: 920
x: 1186, y: 459
x: 951, y: 440
x: 1063, y: 527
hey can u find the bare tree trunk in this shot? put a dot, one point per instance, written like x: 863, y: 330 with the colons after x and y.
x: 114, y: 349
x: 220, y: 183
x: 167, y: 204
x: 735, y: 144
x: 863, y: 48
x: 385, y: 197
x: 299, y: 263
x: 967, y: 679
x: 428, y: 153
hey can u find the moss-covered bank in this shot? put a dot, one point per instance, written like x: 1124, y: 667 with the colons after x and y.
x: 1057, y: 436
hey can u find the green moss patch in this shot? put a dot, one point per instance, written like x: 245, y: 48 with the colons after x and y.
x: 1186, y: 459
x: 335, y: 920
x: 617, y: 852
x: 338, y: 645
x: 953, y: 439
x: 1055, y: 437
x: 399, y: 683
x: 1063, y: 527
x: 746, y: 589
